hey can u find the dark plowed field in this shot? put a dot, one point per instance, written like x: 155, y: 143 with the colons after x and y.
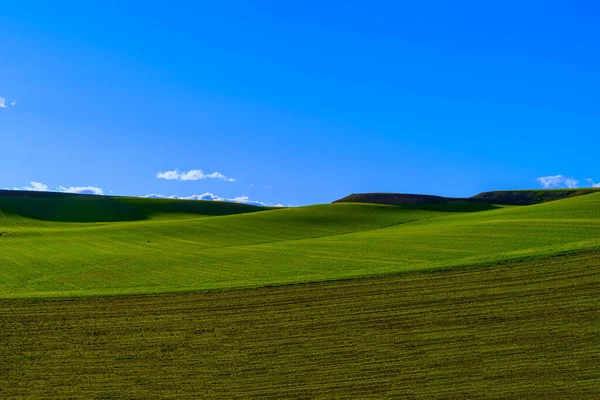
x: 525, y: 330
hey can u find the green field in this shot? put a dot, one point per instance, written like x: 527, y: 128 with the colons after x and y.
x: 140, y: 246
x: 114, y: 297
x: 516, y: 331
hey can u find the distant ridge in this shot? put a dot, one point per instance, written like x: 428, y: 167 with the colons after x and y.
x: 502, y: 197
x: 400, y: 198
x: 39, y: 194
x: 71, y: 207
x: 529, y: 197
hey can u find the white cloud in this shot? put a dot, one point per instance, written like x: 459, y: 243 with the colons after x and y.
x: 246, y: 200
x: 81, y: 190
x: 592, y: 183
x: 170, y: 175
x: 241, y: 199
x: 213, y: 197
x: 192, y: 175
x: 205, y: 196
x: 557, y: 181
x: 40, y: 187
x: 571, y: 183
x: 34, y: 187
x: 4, y: 103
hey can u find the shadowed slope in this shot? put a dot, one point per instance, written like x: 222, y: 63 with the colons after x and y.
x: 64, y: 207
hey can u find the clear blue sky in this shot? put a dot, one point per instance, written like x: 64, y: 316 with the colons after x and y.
x: 299, y: 102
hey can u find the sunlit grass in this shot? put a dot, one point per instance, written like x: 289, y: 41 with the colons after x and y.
x: 175, y: 249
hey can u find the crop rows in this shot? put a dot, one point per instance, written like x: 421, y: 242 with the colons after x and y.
x: 520, y: 330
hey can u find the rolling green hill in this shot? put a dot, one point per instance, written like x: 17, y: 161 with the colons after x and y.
x: 522, y: 322
x: 135, y: 246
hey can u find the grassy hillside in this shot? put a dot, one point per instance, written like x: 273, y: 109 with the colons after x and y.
x: 164, y: 254
x: 524, y: 324
x: 516, y: 331
x: 176, y: 249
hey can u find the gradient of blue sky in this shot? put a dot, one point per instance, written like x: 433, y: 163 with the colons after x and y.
x: 299, y: 102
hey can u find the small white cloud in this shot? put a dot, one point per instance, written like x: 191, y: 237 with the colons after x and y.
x: 34, y: 187
x: 192, y: 175
x: 204, y: 196
x: 246, y: 200
x: 592, y: 183
x: 213, y: 197
x: 40, y: 187
x: 81, y: 190
x: 557, y: 182
x: 4, y: 103
x: 170, y: 175
x: 159, y: 196
x: 571, y: 183
x: 240, y: 199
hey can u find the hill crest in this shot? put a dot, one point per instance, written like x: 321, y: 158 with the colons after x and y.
x: 71, y: 207
x: 502, y: 197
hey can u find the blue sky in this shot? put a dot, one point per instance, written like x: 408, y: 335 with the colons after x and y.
x: 298, y: 102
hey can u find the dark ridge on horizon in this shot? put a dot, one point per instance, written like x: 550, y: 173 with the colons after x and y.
x: 74, y: 207
x: 41, y: 194
x: 500, y: 197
